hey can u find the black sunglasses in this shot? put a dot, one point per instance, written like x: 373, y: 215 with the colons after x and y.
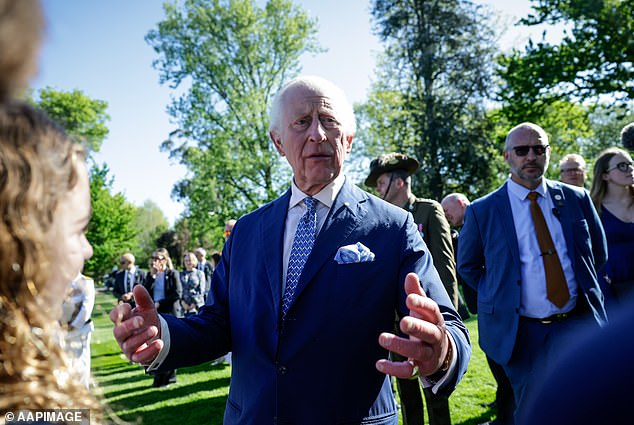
x: 523, y: 150
x: 622, y: 166
x: 158, y: 258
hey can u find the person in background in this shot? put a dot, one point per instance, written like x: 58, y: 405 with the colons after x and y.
x: 613, y: 195
x: 215, y: 258
x: 455, y: 206
x: 44, y: 213
x: 391, y: 175
x: 572, y: 170
x: 229, y: 228
x: 76, y: 321
x: 126, y: 278
x: 21, y: 30
x: 627, y: 137
x: 206, y: 267
x: 164, y: 285
x: 193, y: 281
x: 531, y: 249
x: 307, y: 288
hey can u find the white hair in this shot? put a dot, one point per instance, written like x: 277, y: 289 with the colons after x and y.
x: 345, y: 112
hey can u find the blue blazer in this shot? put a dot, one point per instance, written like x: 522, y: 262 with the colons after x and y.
x: 488, y: 260
x: 318, y: 365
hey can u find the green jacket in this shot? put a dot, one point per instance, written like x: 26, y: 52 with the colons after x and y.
x: 435, y: 230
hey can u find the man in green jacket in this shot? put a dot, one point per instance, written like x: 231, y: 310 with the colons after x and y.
x: 391, y: 174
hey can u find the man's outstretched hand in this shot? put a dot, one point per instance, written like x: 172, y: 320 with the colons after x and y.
x: 428, y: 343
x: 137, y: 330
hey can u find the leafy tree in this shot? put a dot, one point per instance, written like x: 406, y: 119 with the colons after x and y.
x: 111, y: 231
x: 82, y: 117
x: 594, y: 58
x: 150, y: 222
x: 228, y: 57
x: 431, y: 91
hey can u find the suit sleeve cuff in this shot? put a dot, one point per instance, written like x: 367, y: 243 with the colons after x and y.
x: 427, y: 382
x: 165, y: 336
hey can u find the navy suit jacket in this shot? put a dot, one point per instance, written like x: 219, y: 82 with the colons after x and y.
x: 318, y: 365
x: 488, y: 260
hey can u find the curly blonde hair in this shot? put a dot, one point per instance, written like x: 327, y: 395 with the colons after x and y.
x: 38, y: 167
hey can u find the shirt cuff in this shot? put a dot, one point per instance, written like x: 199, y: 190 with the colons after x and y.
x: 435, y: 385
x: 165, y: 336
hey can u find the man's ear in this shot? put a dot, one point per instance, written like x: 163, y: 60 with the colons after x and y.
x: 277, y: 142
x: 348, y: 141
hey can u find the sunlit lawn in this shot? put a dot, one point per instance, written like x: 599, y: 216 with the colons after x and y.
x: 200, y: 394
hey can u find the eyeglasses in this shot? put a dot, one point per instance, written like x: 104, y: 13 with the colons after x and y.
x: 622, y: 166
x: 523, y: 150
x: 227, y: 232
x: 160, y: 258
x: 571, y: 170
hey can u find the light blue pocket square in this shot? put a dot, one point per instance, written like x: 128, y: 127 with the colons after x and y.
x: 356, y: 253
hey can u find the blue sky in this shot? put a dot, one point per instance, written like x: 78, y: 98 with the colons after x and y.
x: 99, y: 48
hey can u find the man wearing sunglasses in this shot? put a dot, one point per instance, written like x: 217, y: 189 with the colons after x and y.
x: 531, y: 249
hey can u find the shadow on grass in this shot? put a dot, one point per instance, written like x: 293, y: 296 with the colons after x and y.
x: 105, y: 371
x: 483, y: 418
x: 174, y: 404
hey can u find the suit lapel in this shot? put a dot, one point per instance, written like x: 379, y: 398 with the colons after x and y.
x: 503, y: 204
x: 563, y: 212
x: 345, y: 215
x: 272, y: 237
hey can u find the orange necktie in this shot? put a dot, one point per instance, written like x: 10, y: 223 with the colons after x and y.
x: 556, y: 287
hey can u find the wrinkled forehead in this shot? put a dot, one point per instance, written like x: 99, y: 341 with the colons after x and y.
x: 303, y: 100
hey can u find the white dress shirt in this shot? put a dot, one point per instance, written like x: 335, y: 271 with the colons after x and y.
x: 534, y: 301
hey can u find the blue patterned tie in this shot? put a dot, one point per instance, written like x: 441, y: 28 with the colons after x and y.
x: 302, y: 245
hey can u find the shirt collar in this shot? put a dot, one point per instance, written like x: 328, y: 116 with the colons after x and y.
x: 521, y: 192
x: 326, y: 196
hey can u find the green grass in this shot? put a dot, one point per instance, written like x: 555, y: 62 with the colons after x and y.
x: 200, y: 394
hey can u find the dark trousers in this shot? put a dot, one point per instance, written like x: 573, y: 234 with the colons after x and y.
x: 504, y: 398
x: 162, y: 379
x: 539, y: 345
x: 412, y: 406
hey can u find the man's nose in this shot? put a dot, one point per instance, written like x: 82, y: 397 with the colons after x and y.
x: 316, y: 132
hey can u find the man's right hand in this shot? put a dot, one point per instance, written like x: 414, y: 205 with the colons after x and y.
x: 137, y: 330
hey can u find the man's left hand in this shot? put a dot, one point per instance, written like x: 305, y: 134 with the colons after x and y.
x: 428, y: 343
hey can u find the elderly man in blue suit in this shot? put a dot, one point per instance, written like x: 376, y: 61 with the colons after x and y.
x: 531, y: 250
x: 307, y: 288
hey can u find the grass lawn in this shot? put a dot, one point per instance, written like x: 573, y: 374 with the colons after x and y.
x: 199, y: 395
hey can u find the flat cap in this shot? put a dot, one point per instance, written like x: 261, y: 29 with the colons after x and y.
x: 390, y: 162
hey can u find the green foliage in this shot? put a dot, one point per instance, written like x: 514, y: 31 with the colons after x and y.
x: 150, y: 222
x: 83, y: 118
x: 594, y: 58
x: 229, y: 57
x: 111, y: 231
x: 200, y: 394
x: 430, y: 95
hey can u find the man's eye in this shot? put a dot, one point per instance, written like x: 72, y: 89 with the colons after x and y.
x: 302, y: 122
x: 329, y: 122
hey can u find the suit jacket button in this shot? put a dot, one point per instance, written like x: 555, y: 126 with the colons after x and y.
x: 282, y: 370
